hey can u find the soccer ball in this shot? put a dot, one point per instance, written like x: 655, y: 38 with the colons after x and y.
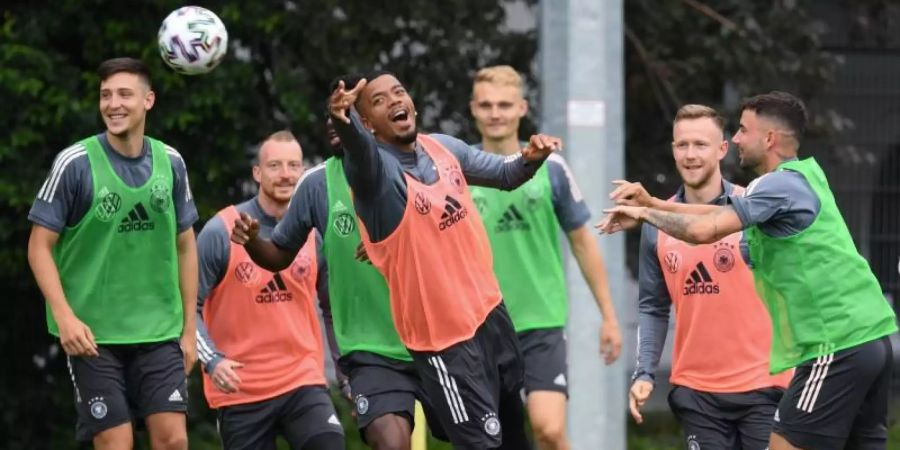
x: 192, y: 40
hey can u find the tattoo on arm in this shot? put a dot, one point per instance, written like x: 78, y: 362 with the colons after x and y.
x: 673, y: 224
x: 685, y: 226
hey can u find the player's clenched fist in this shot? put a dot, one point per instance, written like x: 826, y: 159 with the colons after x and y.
x: 540, y: 146
x: 245, y: 229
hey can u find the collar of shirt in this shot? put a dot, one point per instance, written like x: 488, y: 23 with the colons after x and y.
x: 104, y: 141
x: 265, y: 220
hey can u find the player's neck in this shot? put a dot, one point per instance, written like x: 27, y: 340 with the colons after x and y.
x: 505, y: 146
x: 706, y: 193
x: 272, y: 207
x: 130, y: 145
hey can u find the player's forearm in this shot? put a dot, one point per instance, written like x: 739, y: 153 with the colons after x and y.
x: 682, y: 208
x: 187, y: 279
x: 652, y: 331
x: 590, y: 261
x: 692, y: 228
x: 497, y: 171
x: 46, y: 275
x: 361, y: 159
x: 267, y: 255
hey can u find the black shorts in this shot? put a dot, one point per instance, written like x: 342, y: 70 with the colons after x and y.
x: 381, y: 385
x: 473, y: 383
x: 839, y: 400
x: 126, y: 382
x: 544, y: 353
x: 297, y: 415
x: 725, y: 421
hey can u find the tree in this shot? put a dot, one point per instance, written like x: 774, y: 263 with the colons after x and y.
x: 281, y: 59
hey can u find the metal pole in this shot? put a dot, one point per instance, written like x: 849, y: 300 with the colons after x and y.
x: 582, y: 101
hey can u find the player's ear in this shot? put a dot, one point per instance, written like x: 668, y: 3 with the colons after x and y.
x: 723, y: 149
x: 149, y: 100
x: 523, y: 108
x: 256, y: 174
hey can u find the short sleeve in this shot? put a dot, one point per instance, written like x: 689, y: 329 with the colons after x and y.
x: 568, y: 203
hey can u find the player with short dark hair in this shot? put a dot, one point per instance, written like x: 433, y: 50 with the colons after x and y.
x: 417, y: 222
x: 113, y: 252
x: 380, y: 378
x: 830, y: 318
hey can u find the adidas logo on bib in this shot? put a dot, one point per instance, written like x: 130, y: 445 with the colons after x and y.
x: 176, y: 396
x: 136, y: 220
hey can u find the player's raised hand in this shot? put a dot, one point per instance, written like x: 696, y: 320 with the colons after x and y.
x: 246, y: 229
x: 341, y: 100
x: 630, y: 194
x: 540, y: 146
x: 637, y: 396
x: 620, y: 218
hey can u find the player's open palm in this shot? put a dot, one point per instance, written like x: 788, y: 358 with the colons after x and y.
x: 342, y: 99
x: 619, y: 218
x: 637, y: 396
x: 225, y: 376
x: 630, y: 194
x: 246, y: 229
x: 76, y: 337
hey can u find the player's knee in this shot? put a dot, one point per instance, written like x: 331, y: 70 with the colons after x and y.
x: 171, y: 440
x: 389, y: 440
x: 391, y: 443
x: 551, y: 434
x: 113, y: 440
x: 389, y: 432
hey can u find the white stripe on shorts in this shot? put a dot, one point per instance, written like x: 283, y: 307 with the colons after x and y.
x: 451, y: 392
x: 814, y: 382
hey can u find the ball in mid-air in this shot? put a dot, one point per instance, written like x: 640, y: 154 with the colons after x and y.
x: 192, y: 40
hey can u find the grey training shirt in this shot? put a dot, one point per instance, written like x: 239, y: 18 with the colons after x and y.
x: 781, y: 203
x: 375, y: 172
x: 214, y: 252
x: 67, y: 193
x: 654, y: 302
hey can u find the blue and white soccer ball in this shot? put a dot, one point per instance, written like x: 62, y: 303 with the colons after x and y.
x: 192, y: 40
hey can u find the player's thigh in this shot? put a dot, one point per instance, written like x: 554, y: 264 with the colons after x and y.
x: 502, y: 350
x: 307, y: 412
x: 156, y: 381
x: 167, y: 429
x: 463, y: 389
x: 827, y: 395
x: 701, y: 427
x: 544, y: 357
x: 380, y: 387
x: 547, y: 413
x: 755, y: 426
x: 116, y: 438
x: 870, y: 427
x: 248, y: 427
x: 100, y: 395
